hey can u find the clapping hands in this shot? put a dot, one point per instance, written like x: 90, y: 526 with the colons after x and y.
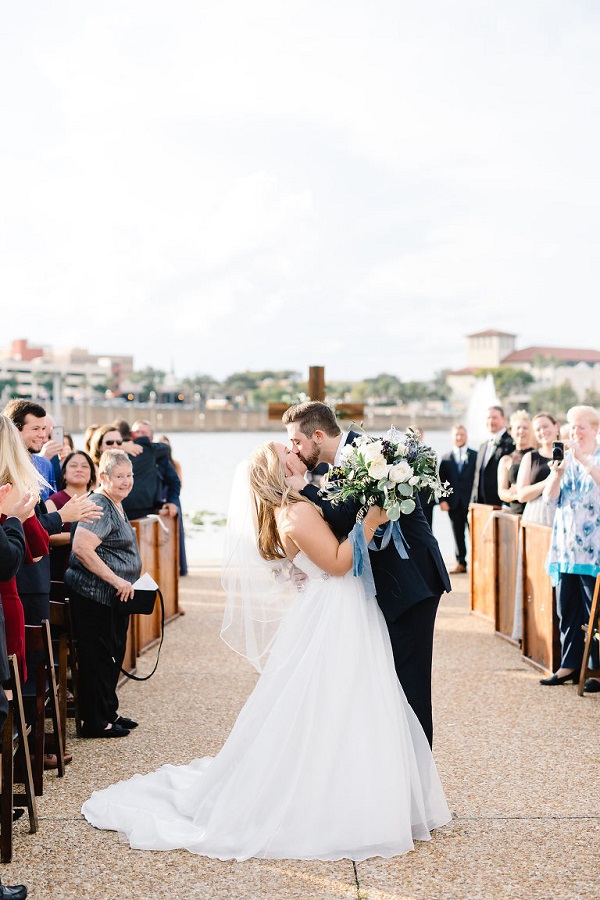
x: 22, y: 507
x: 80, y: 509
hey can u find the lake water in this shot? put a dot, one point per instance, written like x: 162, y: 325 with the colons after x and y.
x: 208, y: 461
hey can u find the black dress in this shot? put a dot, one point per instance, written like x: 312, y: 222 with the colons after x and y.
x: 516, y: 457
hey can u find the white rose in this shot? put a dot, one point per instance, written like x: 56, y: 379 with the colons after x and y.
x: 347, y: 451
x: 402, y: 471
x: 373, y: 451
x: 378, y: 468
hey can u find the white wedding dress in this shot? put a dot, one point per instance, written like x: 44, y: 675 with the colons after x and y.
x: 326, y: 760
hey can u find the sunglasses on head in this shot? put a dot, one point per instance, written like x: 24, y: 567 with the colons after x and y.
x: 110, y: 443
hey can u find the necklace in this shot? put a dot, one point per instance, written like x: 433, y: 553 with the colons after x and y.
x: 117, y: 506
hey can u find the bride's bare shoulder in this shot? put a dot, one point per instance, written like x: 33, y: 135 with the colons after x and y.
x: 298, y: 515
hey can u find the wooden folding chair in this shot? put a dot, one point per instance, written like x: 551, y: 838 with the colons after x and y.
x: 592, y: 634
x: 16, y: 765
x: 42, y: 690
x: 58, y: 622
x: 59, y: 595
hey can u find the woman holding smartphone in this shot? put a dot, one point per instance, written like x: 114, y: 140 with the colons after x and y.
x: 573, y: 562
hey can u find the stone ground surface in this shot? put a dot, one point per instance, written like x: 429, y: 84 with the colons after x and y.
x: 518, y: 761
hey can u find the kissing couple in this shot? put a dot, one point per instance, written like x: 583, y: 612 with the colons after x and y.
x: 330, y: 757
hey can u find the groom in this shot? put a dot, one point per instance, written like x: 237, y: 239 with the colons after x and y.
x: 408, y: 590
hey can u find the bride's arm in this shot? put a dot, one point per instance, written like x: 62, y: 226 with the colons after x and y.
x: 307, y: 529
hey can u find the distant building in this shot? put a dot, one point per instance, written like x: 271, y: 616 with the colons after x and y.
x: 37, y: 372
x: 550, y: 366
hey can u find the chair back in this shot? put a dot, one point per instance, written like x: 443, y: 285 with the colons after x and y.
x: 44, y: 693
x: 15, y: 765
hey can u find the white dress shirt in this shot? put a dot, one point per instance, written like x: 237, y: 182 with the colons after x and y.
x: 338, y: 458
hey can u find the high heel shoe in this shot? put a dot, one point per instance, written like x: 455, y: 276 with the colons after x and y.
x: 562, y: 679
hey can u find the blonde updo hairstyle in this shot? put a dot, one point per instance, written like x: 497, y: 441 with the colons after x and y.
x: 16, y: 467
x: 267, y: 481
x: 521, y: 415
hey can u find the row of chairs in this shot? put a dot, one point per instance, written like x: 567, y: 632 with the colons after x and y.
x: 52, y: 679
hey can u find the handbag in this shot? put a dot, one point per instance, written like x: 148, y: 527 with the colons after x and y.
x: 143, y: 603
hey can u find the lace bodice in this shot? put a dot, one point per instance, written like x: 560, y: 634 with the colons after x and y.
x: 301, y: 561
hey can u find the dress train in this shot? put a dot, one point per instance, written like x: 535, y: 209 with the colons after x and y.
x: 326, y: 760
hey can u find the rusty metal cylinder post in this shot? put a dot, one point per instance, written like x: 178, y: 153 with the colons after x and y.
x: 316, y: 383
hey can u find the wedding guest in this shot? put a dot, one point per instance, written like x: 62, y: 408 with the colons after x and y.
x: 67, y: 447
x: 156, y: 486
x: 122, y: 425
x: 498, y: 444
x: 12, y: 554
x: 183, y: 567
x: 88, y: 435
x: 573, y: 561
x: 531, y: 481
x: 51, y: 449
x: 508, y: 466
x: 458, y: 468
x: 534, y: 471
x: 33, y: 581
x: 564, y: 432
x: 107, y: 437
x: 18, y: 471
x: 103, y: 566
x: 78, y: 476
x: 163, y: 439
x: 30, y: 419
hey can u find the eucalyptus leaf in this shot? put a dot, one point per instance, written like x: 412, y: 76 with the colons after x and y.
x: 404, y: 489
x: 393, y: 513
x: 407, y: 506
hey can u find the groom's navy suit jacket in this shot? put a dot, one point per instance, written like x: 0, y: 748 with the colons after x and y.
x: 400, y: 583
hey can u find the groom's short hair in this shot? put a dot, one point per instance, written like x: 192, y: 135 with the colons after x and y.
x: 311, y: 416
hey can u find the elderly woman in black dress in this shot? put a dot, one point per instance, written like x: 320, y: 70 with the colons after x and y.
x: 104, y: 564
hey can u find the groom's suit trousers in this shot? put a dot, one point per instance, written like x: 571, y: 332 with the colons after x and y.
x: 411, y: 637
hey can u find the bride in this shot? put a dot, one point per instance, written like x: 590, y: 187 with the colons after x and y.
x: 326, y: 760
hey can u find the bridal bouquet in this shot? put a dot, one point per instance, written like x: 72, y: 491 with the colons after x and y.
x: 386, y: 472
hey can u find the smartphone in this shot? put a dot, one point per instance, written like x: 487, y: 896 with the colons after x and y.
x: 558, y: 451
x: 57, y: 434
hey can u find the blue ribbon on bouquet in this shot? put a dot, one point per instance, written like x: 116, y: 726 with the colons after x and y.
x: 361, y: 564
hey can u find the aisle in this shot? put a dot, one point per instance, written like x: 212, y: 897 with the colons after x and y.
x: 520, y: 830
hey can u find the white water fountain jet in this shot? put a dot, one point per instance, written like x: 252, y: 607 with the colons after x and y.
x: 483, y: 396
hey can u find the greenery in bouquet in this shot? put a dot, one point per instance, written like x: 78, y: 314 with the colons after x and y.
x: 386, y: 472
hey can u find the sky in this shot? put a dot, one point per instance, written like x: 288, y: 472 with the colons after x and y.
x: 360, y: 184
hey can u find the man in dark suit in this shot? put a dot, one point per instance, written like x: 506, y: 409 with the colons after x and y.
x: 499, y: 444
x: 408, y: 590
x: 156, y: 484
x: 458, y: 468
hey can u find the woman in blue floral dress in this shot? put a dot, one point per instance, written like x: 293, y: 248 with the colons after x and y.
x: 574, y: 558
